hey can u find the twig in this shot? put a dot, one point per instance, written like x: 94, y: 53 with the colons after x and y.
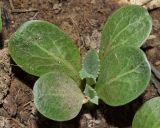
x: 155, y: 71
x: 23, y: 10
x: 35, y: 15
x: 11, y: 4
x: 13, y: 10
x: 146, y: 2
x: 6, y: 18
x: 78, y: 31
x: 16, y: 121
x: 155, y: 77
x: 152, y: 5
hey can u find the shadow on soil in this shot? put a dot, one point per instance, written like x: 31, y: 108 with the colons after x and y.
x: 120, y: 117
x: 1, y: 40
x: 26, y: 78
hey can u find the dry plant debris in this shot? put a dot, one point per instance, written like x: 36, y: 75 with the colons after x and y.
x: 149, y: 4
x: 5, y: 73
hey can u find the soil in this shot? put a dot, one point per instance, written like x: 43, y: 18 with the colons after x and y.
x: 83, y: 21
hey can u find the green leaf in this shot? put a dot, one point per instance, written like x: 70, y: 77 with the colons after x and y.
x: 90, y: 66
x: 125, y: 74
x: 39, y: 47
x: 148, y: 116
x: 57, y: 96
x: 0, y: 21
x: 129, y: 25
x: 91, y: 93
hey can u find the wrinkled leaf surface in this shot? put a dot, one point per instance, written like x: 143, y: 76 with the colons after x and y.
x: 57, y: 96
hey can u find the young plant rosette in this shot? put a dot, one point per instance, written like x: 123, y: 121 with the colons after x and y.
x: 118, y: 74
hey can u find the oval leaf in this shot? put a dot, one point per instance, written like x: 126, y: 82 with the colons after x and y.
x: 39, y: 47
x: 91, y: 65
x: 148, y: 116
x: 124, y: 75
x: 57, y: 96
x: 130, y: 25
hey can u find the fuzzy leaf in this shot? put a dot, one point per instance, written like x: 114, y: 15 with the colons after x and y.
x: 148, y: 116
x: 57, y: 96
x: 39, y: 47
x: 91, y: 93
x: 90, y: 66
x: 129, y: 25
x: 125, y: 74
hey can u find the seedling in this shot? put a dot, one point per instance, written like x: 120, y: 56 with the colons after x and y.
x: 117, y: 75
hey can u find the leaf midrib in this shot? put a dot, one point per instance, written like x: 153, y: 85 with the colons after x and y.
x: 68, y: 65
x: 122, y: 75
x: 112, y: 40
